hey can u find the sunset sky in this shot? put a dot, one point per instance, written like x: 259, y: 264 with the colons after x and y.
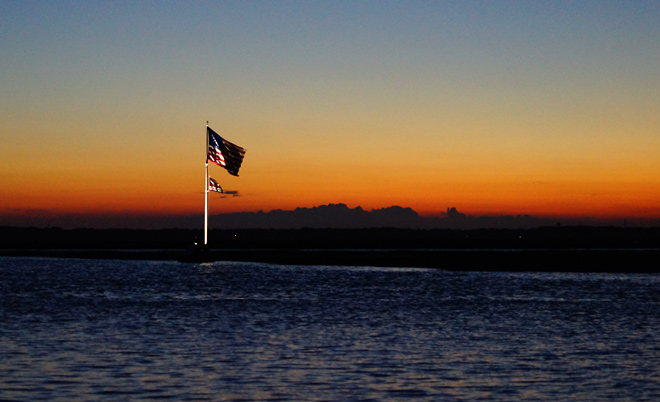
x: 547, y: 108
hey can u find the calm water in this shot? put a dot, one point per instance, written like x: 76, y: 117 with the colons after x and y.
x: 92, y: 329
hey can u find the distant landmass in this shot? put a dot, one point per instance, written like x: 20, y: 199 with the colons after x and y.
x: 330, y: 216
x: 335, y: 234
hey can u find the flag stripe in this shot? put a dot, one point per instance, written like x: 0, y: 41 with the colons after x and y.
x: 224, y: 153
x: 214, y: 186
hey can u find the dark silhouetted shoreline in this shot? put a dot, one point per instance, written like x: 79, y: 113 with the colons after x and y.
x: 574, y: 249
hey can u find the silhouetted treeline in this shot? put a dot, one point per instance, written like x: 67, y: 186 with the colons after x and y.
x: 383, y: 238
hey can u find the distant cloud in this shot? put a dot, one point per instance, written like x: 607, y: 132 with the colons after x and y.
x: 341, y: 216
x: 322, y: 216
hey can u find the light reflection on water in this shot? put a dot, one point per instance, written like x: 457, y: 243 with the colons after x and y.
x: 85, y: 329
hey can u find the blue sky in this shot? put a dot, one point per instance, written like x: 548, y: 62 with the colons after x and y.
x: 544, y: 107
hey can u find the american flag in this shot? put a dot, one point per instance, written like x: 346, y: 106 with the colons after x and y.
x: 224, y: 153
x: 214, y: 186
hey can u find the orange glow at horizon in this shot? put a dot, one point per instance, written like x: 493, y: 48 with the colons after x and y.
x: 267, y: 182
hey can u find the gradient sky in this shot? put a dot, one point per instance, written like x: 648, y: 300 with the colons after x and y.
x: 548, y: 108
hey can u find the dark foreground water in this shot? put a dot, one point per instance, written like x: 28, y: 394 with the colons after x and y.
x: 130, y: 330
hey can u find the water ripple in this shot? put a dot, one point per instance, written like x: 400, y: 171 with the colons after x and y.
x: 139, y: 330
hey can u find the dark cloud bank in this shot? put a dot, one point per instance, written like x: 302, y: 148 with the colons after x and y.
x: 336, y: 216
x: 341, y: 216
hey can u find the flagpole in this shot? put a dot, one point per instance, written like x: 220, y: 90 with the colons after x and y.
x: 206, y: 187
